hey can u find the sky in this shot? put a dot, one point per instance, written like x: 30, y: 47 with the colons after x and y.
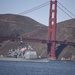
x: 40, y: 15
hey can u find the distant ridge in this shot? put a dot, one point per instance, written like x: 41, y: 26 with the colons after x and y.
x: 23, y: 26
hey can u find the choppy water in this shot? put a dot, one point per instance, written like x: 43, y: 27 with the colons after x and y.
x: 35, y: 68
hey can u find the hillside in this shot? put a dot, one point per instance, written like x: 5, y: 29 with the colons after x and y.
x: 15, y: 25
x: 22, y: 26
x: 66, y: 31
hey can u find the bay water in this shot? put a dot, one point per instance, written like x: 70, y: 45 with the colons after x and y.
x: 37, y: 68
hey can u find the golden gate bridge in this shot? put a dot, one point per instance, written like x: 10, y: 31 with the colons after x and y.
x: 51, y: 41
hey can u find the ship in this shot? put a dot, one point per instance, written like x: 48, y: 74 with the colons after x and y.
x: 26, y: 54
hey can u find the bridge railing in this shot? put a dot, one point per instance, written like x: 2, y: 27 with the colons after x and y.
x: 36, y: 40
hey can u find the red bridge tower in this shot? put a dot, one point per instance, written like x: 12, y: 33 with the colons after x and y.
x: 52, y: 29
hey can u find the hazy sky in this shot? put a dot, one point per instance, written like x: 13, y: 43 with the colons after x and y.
x: 40, y: 15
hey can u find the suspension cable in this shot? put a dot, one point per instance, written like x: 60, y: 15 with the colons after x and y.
x: 35, y: 8
x: 65, y: 12
x: 67, y: 9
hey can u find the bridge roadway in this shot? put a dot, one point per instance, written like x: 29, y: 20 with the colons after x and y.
x: 36, y: 40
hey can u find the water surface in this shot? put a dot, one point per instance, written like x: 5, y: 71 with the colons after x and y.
x: 37, y: 68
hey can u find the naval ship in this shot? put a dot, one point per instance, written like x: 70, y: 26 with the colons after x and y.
x: 26, y: 54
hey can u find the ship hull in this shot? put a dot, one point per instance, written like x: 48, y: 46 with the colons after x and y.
x: 23, y: 59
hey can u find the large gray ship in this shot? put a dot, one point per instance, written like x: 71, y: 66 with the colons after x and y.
x: 27, y: 54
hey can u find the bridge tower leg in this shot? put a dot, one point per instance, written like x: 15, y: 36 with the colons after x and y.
x: 52, y: 29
